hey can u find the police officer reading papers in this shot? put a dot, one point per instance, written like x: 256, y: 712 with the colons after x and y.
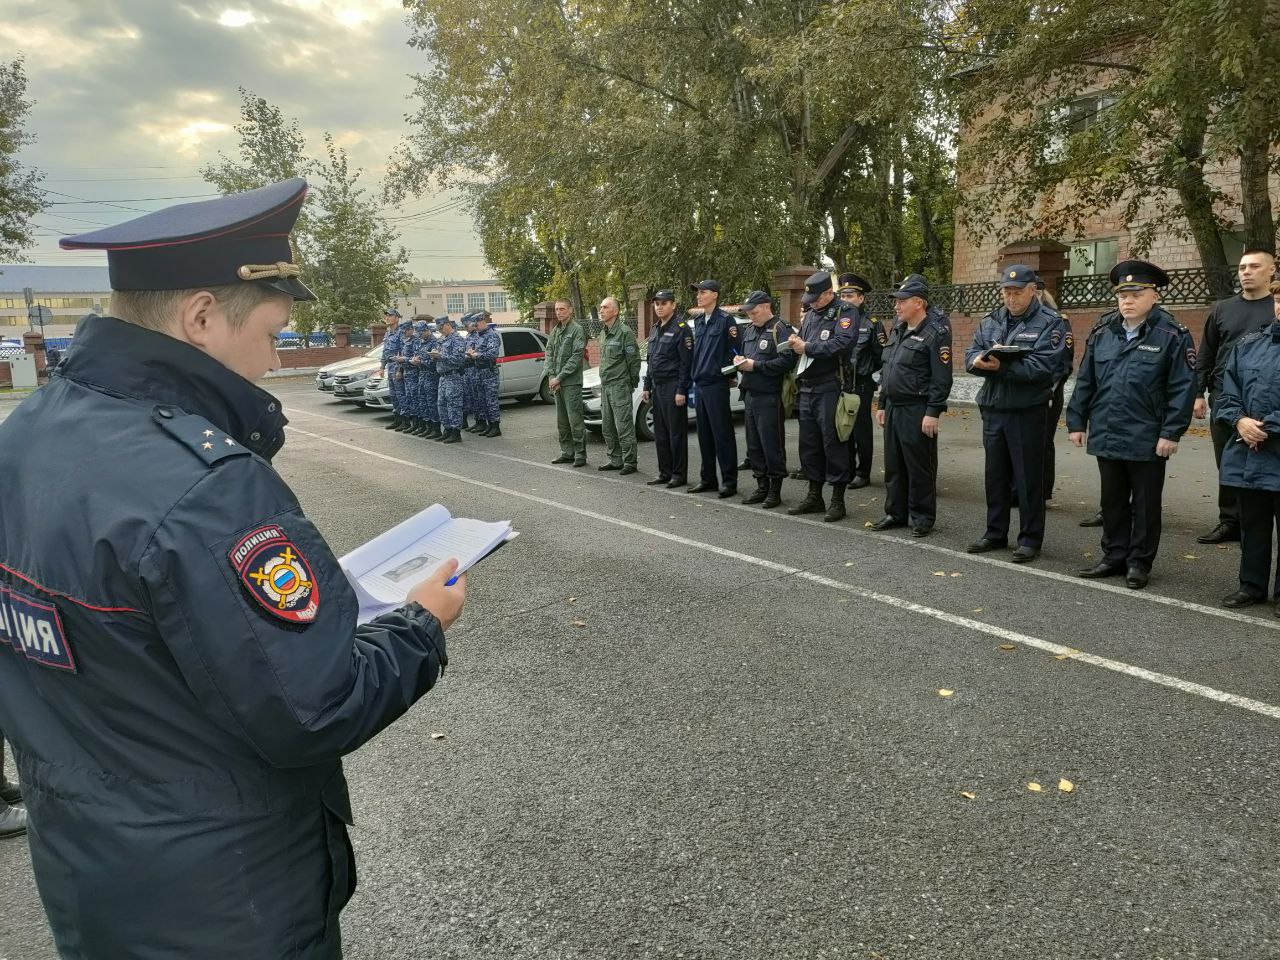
x: 1133, y: 394
x: 764, y: 363
x: 181, y: 671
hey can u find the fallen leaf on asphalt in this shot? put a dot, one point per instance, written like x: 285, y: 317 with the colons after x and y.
x: 1066, y: 786
x: 579, y: 623
x: 1008, y: 646
x: 1088, y: 553
x: 945, y: 693
x: 1189, y: 556
x: 968, y: 795
x: 768, y: 531
x: 939, y: 573
x: 957, y: 574
x: 868, y: 524
x: 977, y: 609
x: 848, y: 563
x: 1034, y: 787
x: 1223, y: 546
x: 573, y: 599
x: 437, y: 736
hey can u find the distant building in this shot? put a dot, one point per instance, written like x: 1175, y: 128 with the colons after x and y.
x: 456, y: 298
x: 69, y: 293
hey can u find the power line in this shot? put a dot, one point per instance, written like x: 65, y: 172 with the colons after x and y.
x: 188, y: 196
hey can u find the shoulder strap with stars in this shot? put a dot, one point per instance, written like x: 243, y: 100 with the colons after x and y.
x: 198, y: 435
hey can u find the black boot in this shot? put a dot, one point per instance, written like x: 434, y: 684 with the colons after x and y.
x: 453, y: 436
x: 443, y: 434
x: 775, y: 494
x: 433, y: 430
x: 762, y: 491
x: 406, y: 424
x: 495, y: 429
x: 812, y: 503
x: 417, y: 427
x: 395, y: 422
x: 836, y: 510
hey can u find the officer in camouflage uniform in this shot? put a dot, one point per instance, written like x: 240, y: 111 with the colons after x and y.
x: 619, y: 377
x: 484, y: 354
x: 397, y: 374
x: 451, y: 359
x: 428, y: 384
x: 412, y: 394
x: 390, y: 350
x: 470, y: 385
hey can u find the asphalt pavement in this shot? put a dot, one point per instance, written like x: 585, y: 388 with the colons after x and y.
x: 675, y: 726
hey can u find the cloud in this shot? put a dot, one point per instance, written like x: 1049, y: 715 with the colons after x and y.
x: 132, y: 96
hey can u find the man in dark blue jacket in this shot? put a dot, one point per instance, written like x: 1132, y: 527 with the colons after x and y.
x: 1018, y: 349
x: 1133, y: 394
x: 825, y: 344
x: 868, y: 344
x: 715, y: 344
x: 764, y: 363
x: 181, y: 671
x: 666, y: 390
x: 1249, y: 406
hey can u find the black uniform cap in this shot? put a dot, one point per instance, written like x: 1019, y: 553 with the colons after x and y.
x: 817, y: 284
x: 1137, y: 275
x: 664, y: 295
x: 851, y: 281
x: 213, y: 243
x: 913, y: 286
x: 755, y: 298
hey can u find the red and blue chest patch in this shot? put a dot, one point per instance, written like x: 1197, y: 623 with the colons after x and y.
x: 34, y: 630
x: 277, y: 575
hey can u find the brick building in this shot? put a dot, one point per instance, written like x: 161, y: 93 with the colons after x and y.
x: 456, y: 298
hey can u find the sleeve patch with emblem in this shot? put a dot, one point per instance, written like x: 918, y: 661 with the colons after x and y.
x: 883, y: 338
x: 277, y: 575
x: 34, y: 630
x: 844, y: 323
x: 944, y: 354
x: 1055, y: 338
x: 1191, y: 357
x: 733, y: 331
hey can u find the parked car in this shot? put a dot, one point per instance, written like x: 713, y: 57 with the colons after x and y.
x: 521, y: 370
x: 326, y: 375
x: 350, y: 383
x: 592, y: 420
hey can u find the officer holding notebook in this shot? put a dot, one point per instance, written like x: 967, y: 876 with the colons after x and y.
x: 188, y: 672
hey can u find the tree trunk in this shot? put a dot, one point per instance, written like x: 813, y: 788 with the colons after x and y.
x: 897, y: 201
x: 839, y: 251
x: 932, y: 242
x: 570, y: 273
x: 1259, y: 223
x: 1197, y: 205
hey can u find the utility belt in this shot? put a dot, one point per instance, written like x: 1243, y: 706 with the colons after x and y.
x: 486, y: 364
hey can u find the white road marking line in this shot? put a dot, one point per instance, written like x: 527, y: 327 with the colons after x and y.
x: 1010, y: 636
x: 1004, y: 565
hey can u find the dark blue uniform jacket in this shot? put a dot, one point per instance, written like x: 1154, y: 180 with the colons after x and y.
x: 829, y: 337
x: 1251, y: 388
x: 715, y: 341
x: 670, y: 353
x: 1027, y: 380
x: 180, y: 665
x: 1131, y: 393
x: 774, y: 359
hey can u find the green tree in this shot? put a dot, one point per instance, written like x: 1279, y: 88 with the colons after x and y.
x: 20, y: 194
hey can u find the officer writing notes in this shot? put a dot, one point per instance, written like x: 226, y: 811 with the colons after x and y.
x: 1249, y: 405
x: 867, y: 347
x: 412, y: 394
x: 429, y: 382
x: 619, y: 377
x: 666, y: 390
x: 1133, y: 397
x: 190, y: 671
x: 825, y: 344
x: 1228, y: 322
x: 765, y: 360
x: 715, y: 343
x: 915, y: 383
x: 565, y: 347
x: 1018, y: 350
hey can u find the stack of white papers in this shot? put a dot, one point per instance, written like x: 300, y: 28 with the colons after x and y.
x: 388, y: 567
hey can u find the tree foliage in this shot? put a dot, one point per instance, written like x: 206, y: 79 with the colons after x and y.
x: 662, y: 142
x: 349, y: 255
x: 20, y: 194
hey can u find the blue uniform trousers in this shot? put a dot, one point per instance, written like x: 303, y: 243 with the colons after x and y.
x: 451, y: 403
x: 487, y: 382
x: 396, y: 385
x: 412, y: 399
x: 766, y: 435
x: 823, y: 456
x: 1014, y: 442
x: 429, y: 391
x: 716, y: 440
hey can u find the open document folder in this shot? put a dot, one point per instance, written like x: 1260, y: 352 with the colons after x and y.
x: 384, y: 570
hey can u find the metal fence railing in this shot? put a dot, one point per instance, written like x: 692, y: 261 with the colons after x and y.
x: 1186, y: 288
x: 952, y: 298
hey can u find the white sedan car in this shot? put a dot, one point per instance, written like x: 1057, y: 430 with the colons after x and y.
x: 643, y: 414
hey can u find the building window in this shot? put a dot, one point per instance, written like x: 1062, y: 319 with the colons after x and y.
x: 1093, y: 257
x: 1076, y: 117
x: 498, y: 302
x: 475, y: 301
x: 453, y: 303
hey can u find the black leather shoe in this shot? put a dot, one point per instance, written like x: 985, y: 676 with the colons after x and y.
x: 797, y: 475
x: 1136, y: 578
x: 13, y: 822
x: 609, y: 466
x: 1102, y: 569
x: 921, y: 531
x: 745, y: 464
x: 888, y: 523
x: 857, y: 483
x: 10, y: 792
x: 626, y: 471
x: 581, y: 462
x: 703, y: 487
x: 658, y: 481
x: 986, y: 545
x: 1094, y: 521
x: 728, y: 491
x: 1024, y: 554
x: 676, y: 482
x: 1241, y: 599
x: 1222, y: 533
x: 562, y: 459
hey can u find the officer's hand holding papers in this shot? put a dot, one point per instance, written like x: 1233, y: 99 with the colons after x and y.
x: 408, y: 557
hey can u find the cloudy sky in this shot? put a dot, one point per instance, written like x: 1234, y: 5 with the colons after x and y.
x: 133, y: 96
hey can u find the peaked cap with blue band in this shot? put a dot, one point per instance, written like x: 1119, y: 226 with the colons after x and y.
x: 213, y: 243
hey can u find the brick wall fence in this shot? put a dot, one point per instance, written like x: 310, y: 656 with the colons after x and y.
x: 318, y: 356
